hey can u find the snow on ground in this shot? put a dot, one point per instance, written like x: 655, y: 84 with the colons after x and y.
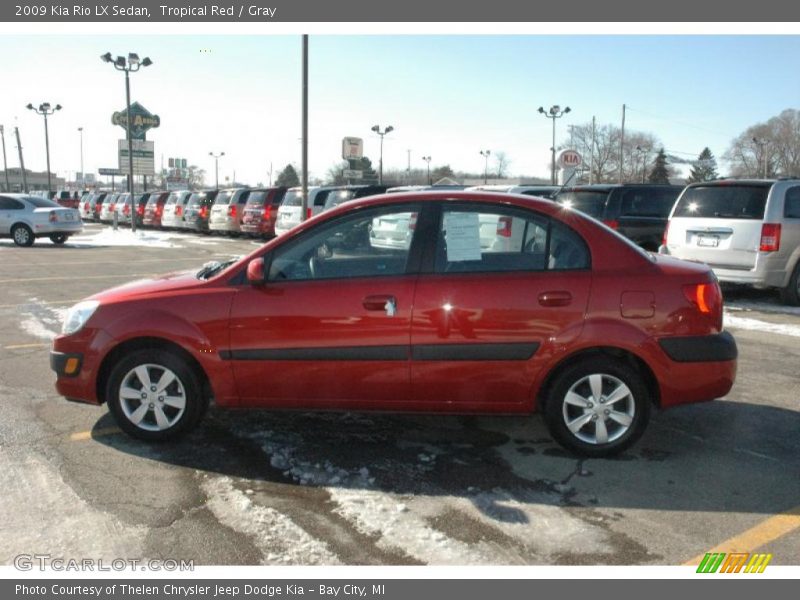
x: 737, y: 322
x: 125, y: 237
x: 281, y: 540
x: 764, y: 306
x: 41, y: 321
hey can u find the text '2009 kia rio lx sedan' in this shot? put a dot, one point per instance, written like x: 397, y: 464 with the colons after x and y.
x: 559, y: 314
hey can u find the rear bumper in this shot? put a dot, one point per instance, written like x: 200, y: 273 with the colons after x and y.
x: 769, y: 269
x: 224, y: 225
x: 705, y: 348
x: 68, y: 228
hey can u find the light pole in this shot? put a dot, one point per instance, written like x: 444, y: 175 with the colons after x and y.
x: 83, y: 177
x: 427, y: 159
x: 643, y: 155
x: 129, y: 65
x: 554, y: 113
x: 5, y: 164
x: 45, y: 110
x: 763, y: 145
x: 485, y: 154
x: 216, y: 166
x: 377, y: 129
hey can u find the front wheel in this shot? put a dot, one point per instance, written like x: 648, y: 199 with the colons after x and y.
x: 154, y: 395
x: 23, y: 236
x: 58, y: 238
x: 598, y: 407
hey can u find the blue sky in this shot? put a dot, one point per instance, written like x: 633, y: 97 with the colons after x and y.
x: 446, y: 96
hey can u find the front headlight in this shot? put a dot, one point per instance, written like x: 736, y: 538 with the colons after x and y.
x: 78, y: 315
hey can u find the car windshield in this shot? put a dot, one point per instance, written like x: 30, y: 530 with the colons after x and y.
x: 224, y: 197
x: 42, y: 202
x: 590, y: 202
x: 723, y: 202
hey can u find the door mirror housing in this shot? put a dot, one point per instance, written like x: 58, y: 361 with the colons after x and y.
x: 255, y: 271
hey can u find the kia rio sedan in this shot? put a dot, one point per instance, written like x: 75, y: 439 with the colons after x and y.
x: 566, y: 317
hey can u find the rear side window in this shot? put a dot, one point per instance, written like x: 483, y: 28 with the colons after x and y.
x: 723, y: 202
x: 791, y: 207
x: 42, y: 202
x: 481, y: 240
x: 592, y: 203
x: 645, y: 202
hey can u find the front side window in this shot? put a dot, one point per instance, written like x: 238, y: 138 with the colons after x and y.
x: 480, y: 240
x: 370, y: 243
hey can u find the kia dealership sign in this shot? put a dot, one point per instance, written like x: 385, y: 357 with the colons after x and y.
x: 569, y: 159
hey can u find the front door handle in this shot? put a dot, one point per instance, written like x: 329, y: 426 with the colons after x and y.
x: 555, y: 298
x: 382, y: 302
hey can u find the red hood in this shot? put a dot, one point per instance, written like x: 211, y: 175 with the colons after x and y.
x: 152, y: 285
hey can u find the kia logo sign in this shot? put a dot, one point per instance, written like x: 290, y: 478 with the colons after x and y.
x: 569, y: 159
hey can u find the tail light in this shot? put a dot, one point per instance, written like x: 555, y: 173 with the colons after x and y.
x: 178, y: 211
x: 86, y: 207
x: 613, y: 223
x: 232, y: 210
x: 159, y: 210
x: 140, y: 210
x: 706, y: 297
x: 203, y: 212
x: 268, y: 212
x: 308, y: 213
x: 53, y: 217
x: 770, y: 237
x: 412, y: 223
x: 665, y: 236
x: 504, y: 227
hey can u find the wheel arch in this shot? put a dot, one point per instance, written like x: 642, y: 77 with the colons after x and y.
x: 615, y: 352
x: 147, y: 343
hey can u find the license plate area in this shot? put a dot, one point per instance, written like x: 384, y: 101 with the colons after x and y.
x: 708, y: 241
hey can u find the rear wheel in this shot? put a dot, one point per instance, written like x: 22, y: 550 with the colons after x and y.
x: 597, y: 407
x: 22, y: 234
x: 791, y: 293
x: 58, y: 238
x: 154, y: 395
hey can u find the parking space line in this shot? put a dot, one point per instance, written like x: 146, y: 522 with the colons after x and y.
x: 767, y: 531
x: 82, y: 436
x: 21, y: 346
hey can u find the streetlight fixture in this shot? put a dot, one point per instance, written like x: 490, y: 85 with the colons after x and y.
x: 5, y: 164
x: 763, y: 145
x: 83, y: 176
x: 643, y: 152
x: 129, y: 65
x: 46, y: 110
x: 216, y: 166
x: 485, y: 154
x: 377, y: 129
x: 427, y: 159
x: 554, y: 113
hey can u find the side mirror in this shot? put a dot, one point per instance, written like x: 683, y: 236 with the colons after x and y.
x: 255, y: 272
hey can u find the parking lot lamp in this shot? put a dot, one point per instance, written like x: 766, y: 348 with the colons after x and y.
x: 129, y: 65
x: 83, y: 177
x: 46, y: 110
x: 554, y: 113
x: 216, y: 166
x: 485, y: 154
x: 5, y: 164
x: 377, y: 129
x: 763, y: 145
x: 427, y: 159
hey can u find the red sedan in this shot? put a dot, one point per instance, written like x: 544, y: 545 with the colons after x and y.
x: 451, y: 302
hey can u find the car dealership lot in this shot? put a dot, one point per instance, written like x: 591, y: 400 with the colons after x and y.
x: 329, y: 488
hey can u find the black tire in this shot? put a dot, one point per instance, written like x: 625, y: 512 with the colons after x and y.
x: 58, y: 238
x: 791, y: 293
x: 22, y: 235
x: 186, y: 385
x: 575, y: 378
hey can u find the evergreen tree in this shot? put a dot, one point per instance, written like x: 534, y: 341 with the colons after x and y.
x: 705, y: 167
x: 288, y: 177
x: 659, y: 174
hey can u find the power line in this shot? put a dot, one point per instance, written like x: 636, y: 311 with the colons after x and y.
x: 683, y: 123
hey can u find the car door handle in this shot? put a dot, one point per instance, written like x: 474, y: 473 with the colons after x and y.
x: 381, y: 302
x: 555, y: 298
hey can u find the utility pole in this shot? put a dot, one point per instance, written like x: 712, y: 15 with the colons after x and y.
x: 83, y: 177
x: 270, y: 173
x: 591, y: 162
x: 21, y: 162
x: 5, y: 164
x: 305, y: 129
x: 621, y: 143
x: 763, y: 145
x: 485, y: 154
x: 408, y: 168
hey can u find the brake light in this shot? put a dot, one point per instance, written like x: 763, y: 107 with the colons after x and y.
x: 268, y: 212
x: 504, y: 227
x: 86, y: 207
x: 53, y: 217
x: 159, y: 210
x: 707, y: 297
x: 666, y: 234
x: 140, y: 209
x: 178, y: 211
x: 232, y: 210
x: 203, y: 212
x: 613, y: 223
x: 770, y: 237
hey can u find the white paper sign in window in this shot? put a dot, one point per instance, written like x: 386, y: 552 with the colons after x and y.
x: 463, y: 236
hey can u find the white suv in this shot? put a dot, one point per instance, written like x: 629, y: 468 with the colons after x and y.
x: 748, y: 231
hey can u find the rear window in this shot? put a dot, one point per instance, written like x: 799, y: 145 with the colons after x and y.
x: 256, y: 198
x: 196, y: 199
x: 224, y: 197
x: 592, y: 203
x: 648, y: 202
x: 42, y: 202
x: 336, y: 197
x: 723, y: 202
x: 293, y: 199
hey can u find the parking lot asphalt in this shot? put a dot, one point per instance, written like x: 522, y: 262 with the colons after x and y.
x: 263, y: 487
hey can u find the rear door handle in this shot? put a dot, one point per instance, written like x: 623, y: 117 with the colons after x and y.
x: 381, y: 302
x: 555, y: 298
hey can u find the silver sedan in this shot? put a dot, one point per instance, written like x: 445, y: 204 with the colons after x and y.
x: 24, y: 218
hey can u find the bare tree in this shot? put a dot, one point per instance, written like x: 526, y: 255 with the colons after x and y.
x: 502, y: 162
x: 768, y: 149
